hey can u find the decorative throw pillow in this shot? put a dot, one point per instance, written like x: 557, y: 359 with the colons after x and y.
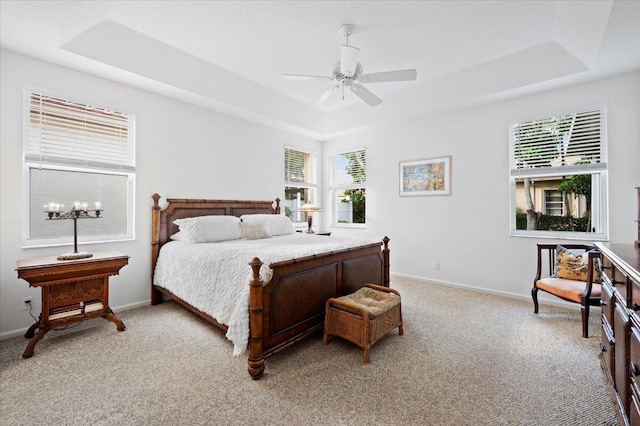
x: 209, y: 229
x: 574, y: 267
x: 254, y: 230
x: 274, y: 223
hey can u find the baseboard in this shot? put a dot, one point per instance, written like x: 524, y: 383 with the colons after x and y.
x: 21, y: 331
x: 541, y: 299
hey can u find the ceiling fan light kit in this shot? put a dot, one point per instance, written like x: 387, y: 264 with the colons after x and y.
x: 348, y: 72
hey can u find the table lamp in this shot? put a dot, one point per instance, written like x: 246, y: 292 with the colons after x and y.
x: 309, y: 208
x: 80, y: 210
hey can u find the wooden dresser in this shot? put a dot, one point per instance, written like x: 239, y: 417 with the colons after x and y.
x: 620, y: 344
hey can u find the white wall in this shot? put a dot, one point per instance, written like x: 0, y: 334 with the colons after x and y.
x: 468, y: 231
x: 187, y: 151
x: 183, y: 151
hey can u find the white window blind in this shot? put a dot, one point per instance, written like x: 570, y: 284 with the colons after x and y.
x: 560, y: 144
x: 349, y: 169
x: 69, y: 133
x: 298, y: 167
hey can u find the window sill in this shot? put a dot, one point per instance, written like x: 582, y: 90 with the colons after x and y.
x: 350, y: 225
x: 51, y: 243
x: 581, y: 236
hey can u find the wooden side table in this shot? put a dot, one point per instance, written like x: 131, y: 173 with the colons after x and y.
x: 72, y: 291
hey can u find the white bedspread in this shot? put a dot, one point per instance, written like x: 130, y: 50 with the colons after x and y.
x: 214, y: 277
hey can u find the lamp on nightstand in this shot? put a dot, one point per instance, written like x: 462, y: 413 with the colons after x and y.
x: 309, y: 208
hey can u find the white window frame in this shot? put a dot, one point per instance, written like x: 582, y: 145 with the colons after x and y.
x: 30, y: 161
x: 334, y: 188
x: 312, y: 185
x: 599, y: 187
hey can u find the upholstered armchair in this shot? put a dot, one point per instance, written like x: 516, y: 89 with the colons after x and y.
x: 572, y: 277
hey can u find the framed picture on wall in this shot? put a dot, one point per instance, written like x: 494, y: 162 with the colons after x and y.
x: 430, y: 176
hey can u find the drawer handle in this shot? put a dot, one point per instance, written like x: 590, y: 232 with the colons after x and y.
x: 635, y: 370
x: 603, y: 303
x: 602, y: 348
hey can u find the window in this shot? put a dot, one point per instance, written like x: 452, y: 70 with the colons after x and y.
x: 553, y: 202
x: 77, y: 152
x: 299, y: 182
x: 558, y: 176
x: 348, y: 188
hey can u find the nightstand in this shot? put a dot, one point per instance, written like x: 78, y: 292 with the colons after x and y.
x: 326, y: 234
x: 72, y: 291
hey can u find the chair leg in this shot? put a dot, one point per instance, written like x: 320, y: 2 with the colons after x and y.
x: 585, y: 320
x: 534, y: 295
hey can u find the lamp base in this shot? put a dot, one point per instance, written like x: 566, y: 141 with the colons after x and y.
x: 75, y: 256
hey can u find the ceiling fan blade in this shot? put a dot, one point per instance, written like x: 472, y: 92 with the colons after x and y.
x: 364, y: 94
x: 326, y: 95
x: 378, y: 77
x: 348, y: 59
x: 305, y: 77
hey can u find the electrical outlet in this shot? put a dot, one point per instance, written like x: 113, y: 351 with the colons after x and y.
x: 26, y: 303
x: 436, y: 266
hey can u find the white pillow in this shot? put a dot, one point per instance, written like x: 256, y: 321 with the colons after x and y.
x: 210, y: 229
x: 179, y: 236
x: 254, y: 230
x: 276, y: 224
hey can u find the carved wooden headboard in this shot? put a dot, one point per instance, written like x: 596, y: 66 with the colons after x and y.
x: 162, y: 225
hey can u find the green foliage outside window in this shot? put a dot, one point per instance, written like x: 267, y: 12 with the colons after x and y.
x: 356, y: 169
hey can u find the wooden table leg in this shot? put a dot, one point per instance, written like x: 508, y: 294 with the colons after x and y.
x: 32, y: 330
x: 110, y: 316
x: 28, y: 353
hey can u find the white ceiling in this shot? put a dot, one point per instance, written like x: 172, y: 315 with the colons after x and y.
x: 229, y: 55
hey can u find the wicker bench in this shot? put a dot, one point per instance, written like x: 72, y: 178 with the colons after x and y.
x: 363, y: 317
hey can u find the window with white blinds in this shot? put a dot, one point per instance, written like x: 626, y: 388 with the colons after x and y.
x: 564, y: 155
x: 74, y: 151
x: 349, y: 169
x: 348, y: 187
x: 298, y: 167
x: 300, y: 182
x: 563, y: 142
x: 69, y: 133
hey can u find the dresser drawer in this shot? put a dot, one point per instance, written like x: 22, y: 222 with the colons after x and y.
x: 608, y: 302
x: 621, y: 377
x: 607, y: 348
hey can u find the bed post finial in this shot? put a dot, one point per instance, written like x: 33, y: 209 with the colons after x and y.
x: 385, y: 256
x: 277, y: 205
x: 156, y: 201
x: 256, y: 357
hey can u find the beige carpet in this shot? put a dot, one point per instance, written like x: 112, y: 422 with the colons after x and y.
x: 466, y: 359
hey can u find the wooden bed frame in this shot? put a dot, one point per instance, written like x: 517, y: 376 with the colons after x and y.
x: 291, y: 305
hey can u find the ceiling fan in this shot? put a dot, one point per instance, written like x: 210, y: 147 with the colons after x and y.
x: 348, y: 74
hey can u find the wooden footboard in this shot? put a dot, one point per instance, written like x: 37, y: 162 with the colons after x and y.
x: 291, y: 305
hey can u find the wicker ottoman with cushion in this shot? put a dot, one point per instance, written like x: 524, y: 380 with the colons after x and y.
x: 363, y: 317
